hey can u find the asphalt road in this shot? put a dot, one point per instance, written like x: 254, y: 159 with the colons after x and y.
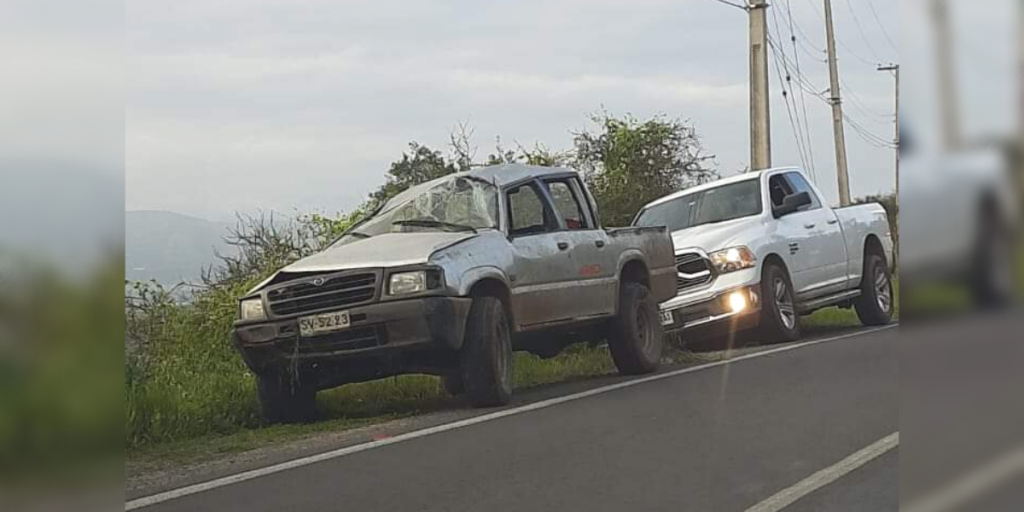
x: 719, y: 439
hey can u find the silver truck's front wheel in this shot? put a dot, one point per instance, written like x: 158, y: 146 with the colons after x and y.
x: 486, y: 360
x: 284, y: 399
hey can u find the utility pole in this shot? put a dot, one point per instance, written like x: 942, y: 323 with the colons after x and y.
x: 760, y: 118
x: 947, y: 84
x: 895, y: 69
x: 837, y: 110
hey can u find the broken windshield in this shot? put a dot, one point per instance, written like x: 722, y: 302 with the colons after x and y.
x: 456, y: 203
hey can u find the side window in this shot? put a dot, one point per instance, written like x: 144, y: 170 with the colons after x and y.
x: 779, y: 188
x: 798, y: 184
x: 527, y: 214
x: 568, y: 204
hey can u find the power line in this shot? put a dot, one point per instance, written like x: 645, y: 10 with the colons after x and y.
x: 794, y: 125
x: 794, y: 122
x: 803, y: 97
x: 860, y: 105
x: 867, y: 135
x: 860, y: 29
x: 885, y: 32
x: 840, y: 40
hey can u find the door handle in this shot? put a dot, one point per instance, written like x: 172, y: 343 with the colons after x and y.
x: 563, y: 246
x: 810, y: 226
x: 599, y: 244
x: 833, y: 222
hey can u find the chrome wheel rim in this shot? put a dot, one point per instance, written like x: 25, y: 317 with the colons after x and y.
x: 784, y: 303
x: 883, y: 290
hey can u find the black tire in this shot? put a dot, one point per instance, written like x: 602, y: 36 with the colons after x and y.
x: 637, y: 339
x: 453, y: 384
x: 284, y: 401
x: 486, y: 359
x: 877, y: 301
x: 780, y: 321
x: 992, y: 281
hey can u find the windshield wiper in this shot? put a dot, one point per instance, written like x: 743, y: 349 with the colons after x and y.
x: 430, y: 223
x: 359, y: 235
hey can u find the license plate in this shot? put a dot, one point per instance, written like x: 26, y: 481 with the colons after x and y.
x: 667, y: 318
x: 324, y: 323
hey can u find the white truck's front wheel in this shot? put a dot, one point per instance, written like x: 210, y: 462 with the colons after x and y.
x: 779, y: 318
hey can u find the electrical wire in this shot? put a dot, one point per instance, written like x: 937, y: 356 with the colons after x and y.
x: 803, y: 97
x: 840, y: 40
x: 794, y: 121
x: 860, y: 29
x: 885, y: 32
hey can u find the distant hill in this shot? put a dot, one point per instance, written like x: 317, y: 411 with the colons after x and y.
x: 60, y: 215
x: 170, y: 247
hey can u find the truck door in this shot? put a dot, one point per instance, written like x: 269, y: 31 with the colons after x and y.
x: 816, y: 245
x: 593, y: 262
x: 830, y: 260
x: 542, y: 267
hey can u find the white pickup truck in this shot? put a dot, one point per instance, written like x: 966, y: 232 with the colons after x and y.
x: 761, y: 249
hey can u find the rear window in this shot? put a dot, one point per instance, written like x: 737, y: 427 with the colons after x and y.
x: 719, y: 204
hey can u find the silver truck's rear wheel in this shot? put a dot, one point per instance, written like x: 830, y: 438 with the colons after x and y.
x: 637, y: 339
x: 486, y: 360
x: 285, y: 400
x: 876, y: 303
x: 779, y: 318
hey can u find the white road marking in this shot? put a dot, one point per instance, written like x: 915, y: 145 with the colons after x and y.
x: 828, y: 475
x: 544, y: 404
x: 972, y: 486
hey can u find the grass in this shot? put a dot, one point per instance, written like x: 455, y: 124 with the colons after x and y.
x: 370, y: 403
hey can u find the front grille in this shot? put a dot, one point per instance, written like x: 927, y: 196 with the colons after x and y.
x: 350, y: 339
x: 333, y: 292
x: 692, y: 270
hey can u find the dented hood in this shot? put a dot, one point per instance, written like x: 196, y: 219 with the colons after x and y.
x: 382, y: 251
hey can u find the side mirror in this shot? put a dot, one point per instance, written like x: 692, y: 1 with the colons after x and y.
x: 792, y: 204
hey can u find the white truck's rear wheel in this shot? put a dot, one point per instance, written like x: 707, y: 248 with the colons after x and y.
x: 876, y: 303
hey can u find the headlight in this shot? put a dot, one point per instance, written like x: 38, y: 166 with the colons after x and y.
x: 733, y: 259
x: 406, y: 283
x: 252, y: 309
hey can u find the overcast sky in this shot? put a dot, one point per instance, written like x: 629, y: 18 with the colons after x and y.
x: 238, y: 105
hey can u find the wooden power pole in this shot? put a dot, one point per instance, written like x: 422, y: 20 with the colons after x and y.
x: 837, y: 110
x: 895, y: 69
x: 760, y: 118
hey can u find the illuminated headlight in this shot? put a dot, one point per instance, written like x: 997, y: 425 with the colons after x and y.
x: 252, y: 309
x: 738, y: 302
x: 733, y: 259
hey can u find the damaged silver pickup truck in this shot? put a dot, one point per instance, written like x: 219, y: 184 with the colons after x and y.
x: 449, y: 278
